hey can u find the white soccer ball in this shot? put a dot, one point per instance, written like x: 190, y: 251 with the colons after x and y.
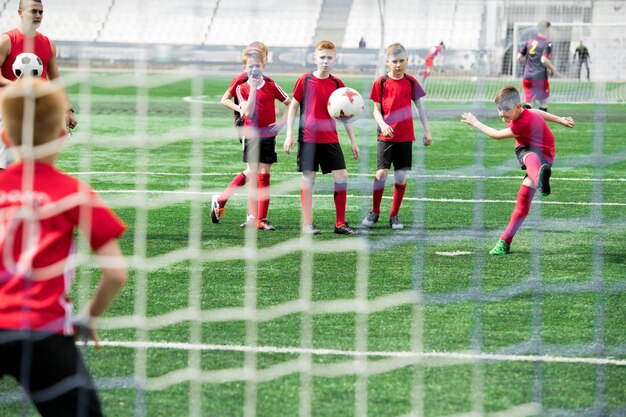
x: 345, y: 104
x: 27, y: 64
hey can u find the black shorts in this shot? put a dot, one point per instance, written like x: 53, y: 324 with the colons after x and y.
x: 400, y: 154
x: 522, y: 151
x: 238, y: 125
x: 261, y: 150
x: 51, y: 371
x: 312, y: 156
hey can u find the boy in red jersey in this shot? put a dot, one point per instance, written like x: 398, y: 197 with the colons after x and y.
x: 40, y: 208
x: 535, y: 55
x: 392, y: 95
x: 318, y: 143
x: 534, y: 148
x: 257, y: 100
x: 430, y: 60
x: 230, y: 101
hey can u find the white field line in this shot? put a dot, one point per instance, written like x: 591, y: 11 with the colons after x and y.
x: 351, y: 196
x: 463, y: 356
x: 433, y: 176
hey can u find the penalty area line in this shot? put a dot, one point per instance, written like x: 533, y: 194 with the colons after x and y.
x: 470, y: 356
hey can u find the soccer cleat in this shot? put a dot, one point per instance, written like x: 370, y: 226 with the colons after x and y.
x: 216, y: 210
x: 345, y: 229
x: 394, y: 223
x: 501, y: 248
x: 543, y: 182
x: 250, y: 221
x: 310, y: 229
x: 370, y: 220
x: 264, y: 224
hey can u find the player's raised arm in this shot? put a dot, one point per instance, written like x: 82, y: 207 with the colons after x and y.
x: 291, y: 118
x: 549, y: 117
x: 471, y: 120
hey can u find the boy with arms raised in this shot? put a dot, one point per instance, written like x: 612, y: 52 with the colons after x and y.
x: 40, y: 208
x: 534, y: 148
x: 257, y: 96
x: 318, y: 143
x: 392, y: 95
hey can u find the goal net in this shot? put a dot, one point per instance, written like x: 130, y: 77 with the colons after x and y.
x: 219, y: 320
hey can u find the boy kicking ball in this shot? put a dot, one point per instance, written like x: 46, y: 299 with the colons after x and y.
x: 534, y: 148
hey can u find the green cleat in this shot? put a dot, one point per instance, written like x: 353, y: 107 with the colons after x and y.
x: 501, y: 248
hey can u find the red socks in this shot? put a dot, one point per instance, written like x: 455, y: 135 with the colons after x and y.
x: 524, y: 198
x: 377, y: 194
x: 533, y: 165
x: 263, y: 188
x: 341, y: 195
x: 306, y: 198
x: 237, y: 182
x: 398, y: 195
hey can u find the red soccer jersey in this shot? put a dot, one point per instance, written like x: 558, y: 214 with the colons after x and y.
x: 19, y: 43
x: 531, y: 130
x: 264, y: 110
x: 35, y: 275
x: 395, y: 97
x: 312, y: 93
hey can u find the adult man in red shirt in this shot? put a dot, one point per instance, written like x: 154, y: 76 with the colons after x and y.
x: 318, y: 143
x: 535, y: 55
x: 25, y: 38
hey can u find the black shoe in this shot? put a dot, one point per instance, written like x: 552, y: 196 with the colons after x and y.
x: 310, y: 229
x: 543, y: 182
x: 345, y: 229
x: 394, y: 223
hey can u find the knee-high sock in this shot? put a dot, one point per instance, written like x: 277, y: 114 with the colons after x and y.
x: 263, y: 188
x: 341, y: 192
x: 377, y: 193
x: 398, y: 195
x: 237, y: 182
x: 524, y: 198
x: 306, y: 198
x: 533, y: 164
x: 253, y: 201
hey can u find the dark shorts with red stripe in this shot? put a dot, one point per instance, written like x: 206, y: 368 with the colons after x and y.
x: 536, y: 89
x: 261, y: 150
x: 522, y: 151
x: 400, y: 154
x: 51, y: 371
x: 313, y: 156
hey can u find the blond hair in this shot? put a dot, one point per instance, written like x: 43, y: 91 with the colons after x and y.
x: 325, y: 45
x: 395, y: 49
x: 253, y: 48
x: 50, y: 105
x: 509, y: 95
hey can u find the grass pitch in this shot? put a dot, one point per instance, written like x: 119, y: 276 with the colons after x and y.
x: 157, y: 158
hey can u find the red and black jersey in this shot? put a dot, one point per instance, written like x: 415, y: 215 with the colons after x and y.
x: 37, y: 244
x: 40, y: 46
x: 531, y: 130
x: 533, y: 50
x: 264, y: 110
x: 316, y: 124
x: 395, y: 98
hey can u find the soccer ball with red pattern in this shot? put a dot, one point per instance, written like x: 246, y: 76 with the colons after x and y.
x: 345, y: 104
x: 27, y: 64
